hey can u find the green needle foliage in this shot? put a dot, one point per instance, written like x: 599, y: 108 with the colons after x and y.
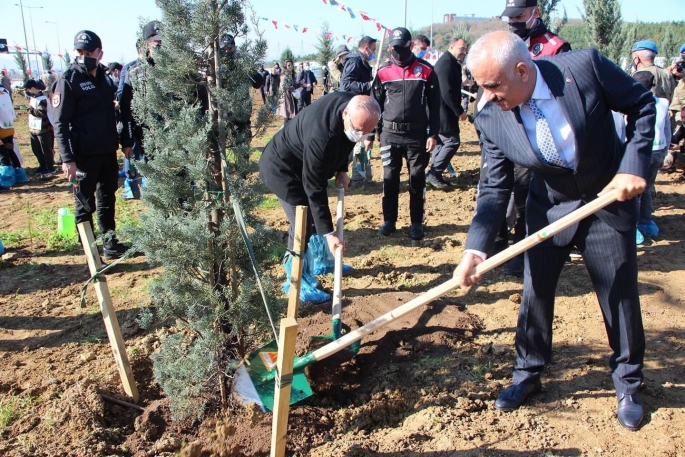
x: 194, y: 101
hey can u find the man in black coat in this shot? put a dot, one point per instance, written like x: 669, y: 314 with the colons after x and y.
x: 357, y: 75
x: 300, y: 159
x: 307, y: 80
x: 449, y: 72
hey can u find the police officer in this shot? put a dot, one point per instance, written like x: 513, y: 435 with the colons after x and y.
x: 86, y: 134
x: 524, y: 21
x: 408, y: 92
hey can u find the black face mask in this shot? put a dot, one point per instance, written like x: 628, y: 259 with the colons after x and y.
x: 401, y: 55
x: 521, y: 29
x: 90, y: 63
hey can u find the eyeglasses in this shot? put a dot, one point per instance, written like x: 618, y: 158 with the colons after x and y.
x: 360, y: 131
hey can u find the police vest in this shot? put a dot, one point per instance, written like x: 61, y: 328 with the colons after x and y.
x: 35, y: 122
x: 548, y: 44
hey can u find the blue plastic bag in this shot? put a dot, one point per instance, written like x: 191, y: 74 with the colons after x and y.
x: 20, y: 176
x: 6, y: 176
x: 323, y: 260
x: 131, y: 189
x: 309, y: 288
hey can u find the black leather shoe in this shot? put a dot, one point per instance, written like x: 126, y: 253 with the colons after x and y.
x: 436, y: 181
x: 516, y: 394
x: 630, y: 411
x: 387, y: 228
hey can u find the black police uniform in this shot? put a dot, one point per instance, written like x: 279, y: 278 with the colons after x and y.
x: 409, y: 97
x: 86, y: 133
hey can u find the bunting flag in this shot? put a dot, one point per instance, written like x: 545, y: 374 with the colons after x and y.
x: 349, y: 10
x: 328, y: 35
x: 333, y: 2
x: 286, y: 25
x: 304, y: 29
x: 295, y: 27
x: 275, y: 23
x: 350, y: 39
x: 364, y: 15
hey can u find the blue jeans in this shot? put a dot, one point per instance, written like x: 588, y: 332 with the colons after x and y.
x: 646, y: 198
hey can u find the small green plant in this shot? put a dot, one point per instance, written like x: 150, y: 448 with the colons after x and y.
x: 388, y: 251
x: 480, y: 369
x: 11, y: 406
x: 120, y: 293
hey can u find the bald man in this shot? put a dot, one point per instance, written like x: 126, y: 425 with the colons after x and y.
x: 311, y: 149
x: 554, y: 116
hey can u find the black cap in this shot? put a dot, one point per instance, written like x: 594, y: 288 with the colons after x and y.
x: 516, y: 7
x: 87, y: 41
x: 400, y: 37
x: 341, y: 50
x: 151, y: 30
x: 113, y: 66
x: 645, y: 78
x: 30, y: 84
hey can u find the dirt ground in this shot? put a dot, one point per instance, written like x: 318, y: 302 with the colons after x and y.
x: 425, y: 386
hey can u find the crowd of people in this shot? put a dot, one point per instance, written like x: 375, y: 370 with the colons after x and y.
x: 545, y: 118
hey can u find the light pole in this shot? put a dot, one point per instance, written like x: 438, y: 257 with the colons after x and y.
x: 59, y: 46
x: 33, y: 31
x: 28, y: 58
x: 405, y: 14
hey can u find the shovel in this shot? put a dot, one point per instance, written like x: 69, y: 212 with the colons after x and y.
x: 259, y: 381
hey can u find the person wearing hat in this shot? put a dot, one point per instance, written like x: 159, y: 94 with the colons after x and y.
x: 662, y: 141
x: 408, y: 92
x: 86, y: 134
x: 338, y: 65
x: 643, y: 53
x: 524, y: 21
x: 131, y: 132
x: 114, y: 71
x: 678, y: 100
x: 40, y: 129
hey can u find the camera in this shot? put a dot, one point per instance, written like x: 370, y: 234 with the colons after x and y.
x: 680, y: 66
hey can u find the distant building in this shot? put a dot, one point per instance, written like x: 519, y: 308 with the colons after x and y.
x: 452, y: 17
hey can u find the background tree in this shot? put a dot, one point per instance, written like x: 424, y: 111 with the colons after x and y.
x: 21, y: 63
x: 604, y: 27
x: 669, y: 46
x: 195, y: 104
x: 66, y: 58
x: 324, y: 47
x: 463, y: 30
x: 287, y: 54
x: 547, y: 10
x: 47, y: 61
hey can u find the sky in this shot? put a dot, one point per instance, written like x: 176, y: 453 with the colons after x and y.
x: 117, y: 21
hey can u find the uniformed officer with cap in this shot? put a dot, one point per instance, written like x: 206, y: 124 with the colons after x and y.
x: 524, y: 21
x: 643, y: 54
x: 408, y: 92
x: 86, y: 134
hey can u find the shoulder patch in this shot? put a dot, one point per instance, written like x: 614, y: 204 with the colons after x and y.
x: 418, y: 70
x: 537, y: 49
x: 56, y: 99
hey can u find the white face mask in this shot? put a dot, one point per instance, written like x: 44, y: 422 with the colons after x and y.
x: 307, y: 67
x: 353, y: 135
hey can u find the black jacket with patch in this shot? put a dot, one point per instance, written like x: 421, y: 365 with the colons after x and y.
x: 448, y: 70
x: 85, y: 121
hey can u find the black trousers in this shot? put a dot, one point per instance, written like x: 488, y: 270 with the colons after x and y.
x: 7, y: 155
x: 99, y: 188
x: 291, y: 213
x: 305, y: 100
x: 396, y: 147
x: 611, y: 260
x: 42, y: 145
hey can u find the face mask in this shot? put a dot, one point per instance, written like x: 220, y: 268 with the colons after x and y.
x: 371, y: 56
x: 307, y: 68
x: 401, y: 55
x: 522, y: 29
x: 421, y: 53
x: 353, y: 135
x: 91, y: 63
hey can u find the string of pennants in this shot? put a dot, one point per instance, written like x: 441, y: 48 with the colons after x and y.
x: 362, y: 14
x: 40, y: 53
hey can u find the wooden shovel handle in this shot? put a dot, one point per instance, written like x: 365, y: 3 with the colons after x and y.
x: 484, y: 267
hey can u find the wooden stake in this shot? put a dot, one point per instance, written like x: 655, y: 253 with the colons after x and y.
x: 298, y: 261
x: 286, y: 355
x: 116, y: 340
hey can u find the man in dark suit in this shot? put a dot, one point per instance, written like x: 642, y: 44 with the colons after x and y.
x: 554, y: 117
x: 307, y: 80
x: 300, y: 159
x: 449, y: 72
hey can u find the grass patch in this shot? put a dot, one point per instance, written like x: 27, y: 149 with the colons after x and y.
x: 127, y: 212
x: 277, y: 254
x: 388, y: 251
x: 480, y: 369
x: 120, y: 293
x: 269, y: 202
x: 11, y: 407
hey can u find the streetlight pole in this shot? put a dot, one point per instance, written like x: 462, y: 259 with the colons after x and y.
x: 28, y: 58
x: 33, y: 32
x: 59, y: 46
x: 405, y: 14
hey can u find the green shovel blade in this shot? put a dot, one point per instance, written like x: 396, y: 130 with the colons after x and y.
x: 263, y: 361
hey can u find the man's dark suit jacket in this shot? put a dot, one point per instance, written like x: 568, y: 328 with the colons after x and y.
x: 588, y: 87
x: 302, y: 80
x: 300, y: 159
x: 448, y: 70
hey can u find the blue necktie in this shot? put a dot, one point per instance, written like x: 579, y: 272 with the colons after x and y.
x: 544, y: 137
